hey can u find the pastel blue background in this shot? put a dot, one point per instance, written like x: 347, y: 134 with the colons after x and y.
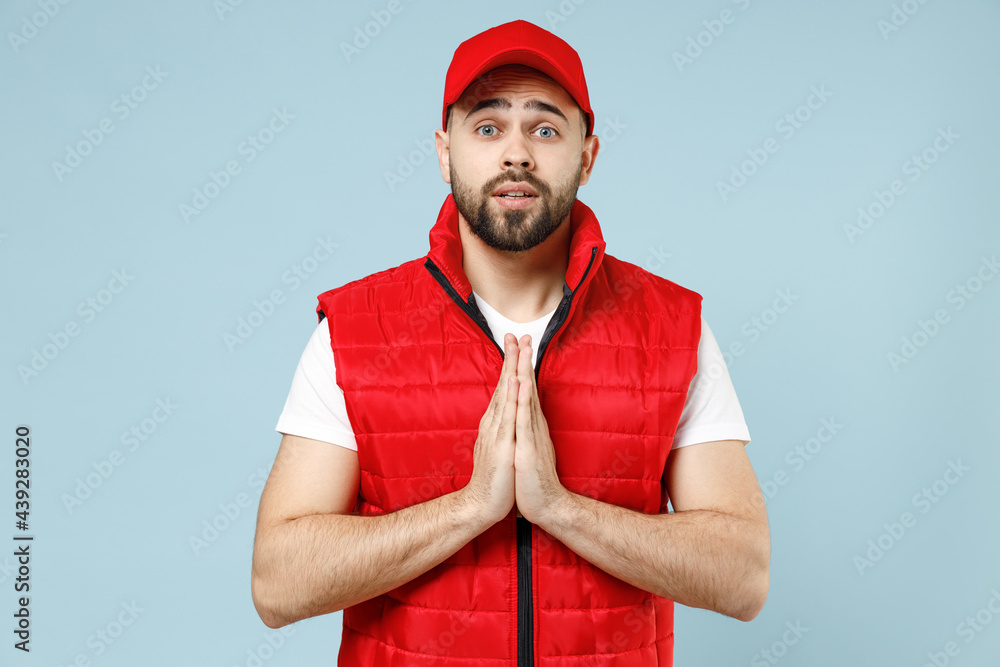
x: 678, y: 132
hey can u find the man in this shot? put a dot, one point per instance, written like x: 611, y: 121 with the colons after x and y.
x: 480, y: 445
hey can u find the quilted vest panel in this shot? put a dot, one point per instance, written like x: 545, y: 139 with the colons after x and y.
x: 418, y: 365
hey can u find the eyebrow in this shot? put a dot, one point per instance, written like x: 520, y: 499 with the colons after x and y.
x: 504, y: 103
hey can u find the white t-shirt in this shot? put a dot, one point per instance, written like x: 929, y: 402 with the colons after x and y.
x: 315, y: 406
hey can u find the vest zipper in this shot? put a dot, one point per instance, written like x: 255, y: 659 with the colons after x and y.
x: 470, y: 307
x: 525, y: 597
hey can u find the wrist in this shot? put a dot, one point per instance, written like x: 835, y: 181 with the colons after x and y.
x: 560, y: 512
x: 472, y: 510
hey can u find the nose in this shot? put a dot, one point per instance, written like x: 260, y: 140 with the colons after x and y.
x: 517, y: 153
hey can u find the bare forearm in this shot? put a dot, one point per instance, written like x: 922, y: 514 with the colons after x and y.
x: 322, y: 563
x: 699, y: 558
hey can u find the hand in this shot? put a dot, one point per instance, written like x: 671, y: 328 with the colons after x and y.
x: 491, y: 486
x: 536, y: 483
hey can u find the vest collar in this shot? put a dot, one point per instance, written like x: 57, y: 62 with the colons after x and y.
x: 586, y: 247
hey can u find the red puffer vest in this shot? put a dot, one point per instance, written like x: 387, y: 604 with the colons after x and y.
x: 418, y: 365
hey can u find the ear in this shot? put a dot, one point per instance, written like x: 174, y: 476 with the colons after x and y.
x: 591, y: 145
x: 441, y: 144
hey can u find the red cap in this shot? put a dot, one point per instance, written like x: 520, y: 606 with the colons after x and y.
x: 517, y: 43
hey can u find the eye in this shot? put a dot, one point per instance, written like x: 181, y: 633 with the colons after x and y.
x: 551, y: 132
x: 491, y: 133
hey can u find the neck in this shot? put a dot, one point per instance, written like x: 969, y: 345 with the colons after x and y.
x: 521, y: 286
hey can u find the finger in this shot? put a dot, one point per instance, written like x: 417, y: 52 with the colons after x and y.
x: 524, y: 370
x: 510, y: 350
x: 524, y: 431
x: 508, y: 419
x: 530, y: 375
x: 525, y: 378
x: 508, y: 371
x: 509, y: 344
x: 529, y: 393
x: 495, y: 410
x: 526, y: 373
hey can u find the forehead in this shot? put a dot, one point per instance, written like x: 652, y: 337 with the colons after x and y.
x: 515, y: 80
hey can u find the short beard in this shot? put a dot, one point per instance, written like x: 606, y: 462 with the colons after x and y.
x: 514, y: 231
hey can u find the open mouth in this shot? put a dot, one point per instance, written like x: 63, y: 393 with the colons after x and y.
x: 514, y: 200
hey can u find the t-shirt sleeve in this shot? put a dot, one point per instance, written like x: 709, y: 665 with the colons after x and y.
x: 712, y: 411
x: 315, y: 406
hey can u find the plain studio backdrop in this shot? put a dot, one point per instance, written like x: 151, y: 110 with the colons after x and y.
x: 180, y: 180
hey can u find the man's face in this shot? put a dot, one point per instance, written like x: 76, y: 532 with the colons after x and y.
x: 515, y: 156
